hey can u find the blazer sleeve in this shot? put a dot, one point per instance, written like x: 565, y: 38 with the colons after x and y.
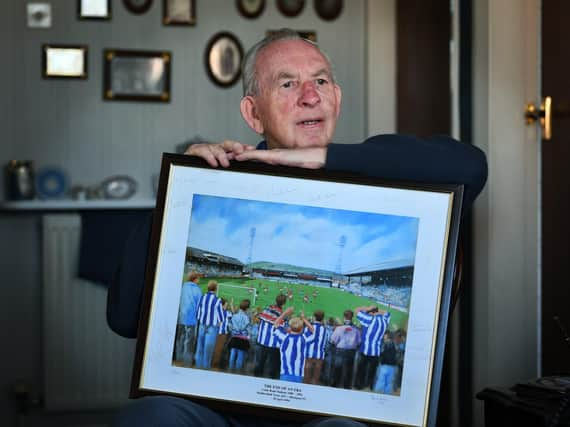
x: 437, y: 160
x: 124, y: 296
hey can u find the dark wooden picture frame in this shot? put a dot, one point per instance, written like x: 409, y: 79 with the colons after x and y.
x: 192, y: 197
x: 223, y: 59
x: 60, y: 61
x: 328, y: 10
x: 250, y: 9
x: 290, y: 8
x: 84, y: 14
x: 136, y: 75
x: 138, y: 7
x: 179, y: 12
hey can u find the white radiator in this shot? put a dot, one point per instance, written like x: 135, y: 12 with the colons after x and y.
x: 85, y: 364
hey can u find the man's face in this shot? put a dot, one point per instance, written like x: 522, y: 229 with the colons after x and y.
x: 298, y: 104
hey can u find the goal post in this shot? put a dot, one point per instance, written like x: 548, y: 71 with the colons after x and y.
x: 238, y: 293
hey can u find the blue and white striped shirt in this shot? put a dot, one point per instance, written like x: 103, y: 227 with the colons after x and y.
x: 265, y: 335
x: 373, y: 329
x: 224, y: 326
x: 293, y: 348
x: 316, y: 349
x: 210, y: 312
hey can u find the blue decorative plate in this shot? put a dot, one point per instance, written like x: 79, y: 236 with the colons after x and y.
x: 51, y: 183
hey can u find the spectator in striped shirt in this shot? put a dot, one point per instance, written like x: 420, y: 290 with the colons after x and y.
x: 267, y: 357
x: 210, y: 315
x: 374, y: 324
x: 186, y: 326
x: 239, y: 341
x: 293, y: 345
x: 315, y: 355
x: 223, y: 333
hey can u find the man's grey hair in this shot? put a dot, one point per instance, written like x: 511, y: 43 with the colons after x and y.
x: 249, y: 73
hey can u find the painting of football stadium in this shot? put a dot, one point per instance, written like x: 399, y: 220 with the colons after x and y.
x: 296, y: 293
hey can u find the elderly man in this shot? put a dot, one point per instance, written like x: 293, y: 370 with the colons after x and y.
x: 293, y: 101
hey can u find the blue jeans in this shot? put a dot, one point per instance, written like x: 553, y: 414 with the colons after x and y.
x: 169, y: 411
x: 184, y: 350
x: 236, y: 358
x: 207, y: 336
x: 385, y: 381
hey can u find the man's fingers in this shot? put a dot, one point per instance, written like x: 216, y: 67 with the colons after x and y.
x: 218, y: 154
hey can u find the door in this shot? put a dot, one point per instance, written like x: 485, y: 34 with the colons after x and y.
x: 556, y: 189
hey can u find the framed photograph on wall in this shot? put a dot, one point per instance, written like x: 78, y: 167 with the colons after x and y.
x: 94, y: 9
x: 290, y: 8
x: 328, y: 10
x: 64, y: 62
x: 250, y: 8
x: 179, y: 12
x: 222, y: 58
x: 292, y: 251
x: 138, y: 7
x: 136, y: 75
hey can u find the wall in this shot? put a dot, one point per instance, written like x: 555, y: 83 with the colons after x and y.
x: 505, y: 279
x: 66, y: 123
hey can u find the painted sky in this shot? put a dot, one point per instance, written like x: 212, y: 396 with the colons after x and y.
x: 301, y: 235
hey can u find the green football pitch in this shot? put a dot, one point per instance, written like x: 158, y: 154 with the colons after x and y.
x: 306, y: 298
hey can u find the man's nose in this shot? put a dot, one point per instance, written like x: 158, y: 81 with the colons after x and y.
x: 309, y: 96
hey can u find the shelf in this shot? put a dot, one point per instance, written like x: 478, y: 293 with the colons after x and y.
x: 75, y: 205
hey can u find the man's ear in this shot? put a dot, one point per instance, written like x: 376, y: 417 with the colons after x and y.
x: 338, y: 93
x: 249, y: 113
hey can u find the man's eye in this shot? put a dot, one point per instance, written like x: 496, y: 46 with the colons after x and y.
x: 322, y: 81
x: 287, y: 85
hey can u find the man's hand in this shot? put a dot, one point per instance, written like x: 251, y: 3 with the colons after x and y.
x: 309, y: 158
x: 218, y: 154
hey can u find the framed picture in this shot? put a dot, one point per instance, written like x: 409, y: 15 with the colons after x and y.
x: 64, y: 62
x: 39, y: 15
x: 292, y: 253
x: 222, y: 58
x: 138, y: 7
x: 250, y: 8
x: 94, y: 9
x: 179, y: 12
x: 135, y: 75
x: 290, y: 8
x: 306, y: 34
x: 328, y: 10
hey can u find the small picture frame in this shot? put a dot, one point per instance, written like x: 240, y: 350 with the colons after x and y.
x: 179, y: 12
x: 282, y: 243
x: 39, y: 15
x: 64, y: 61
x: 306, y: 34
x: 290, y: 8
x: 138, y: 7
x: 136, y: 75
x: 328, y: 10
x: 99, y: 10
x: 223, y: 57
x: 250, y: 9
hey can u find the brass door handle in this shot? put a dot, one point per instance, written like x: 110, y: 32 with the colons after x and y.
x: 543, y: 115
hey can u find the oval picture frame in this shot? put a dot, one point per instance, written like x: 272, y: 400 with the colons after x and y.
x: 328, y: 10
x: 223, y: 57
x: 138, y: 7
x: 250, y: 8
x: 291, y: 8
